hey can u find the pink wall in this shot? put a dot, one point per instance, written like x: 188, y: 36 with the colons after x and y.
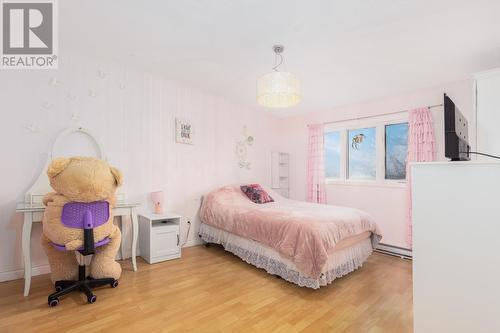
x: 386, y: 203
x: 133, y: 115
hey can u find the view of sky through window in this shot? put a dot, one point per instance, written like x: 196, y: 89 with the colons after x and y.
x: 396, y: 146
x: 362, y: 154
x: 332, y: 155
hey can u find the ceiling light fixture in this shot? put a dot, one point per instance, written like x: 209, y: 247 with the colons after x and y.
x: 278, y: 89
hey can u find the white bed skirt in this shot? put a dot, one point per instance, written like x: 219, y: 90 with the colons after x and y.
x: 339, y: 263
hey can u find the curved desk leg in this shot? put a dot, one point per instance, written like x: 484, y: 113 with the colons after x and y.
x: 135, y: 233
x: 122, y: 250
x: 26, y: 245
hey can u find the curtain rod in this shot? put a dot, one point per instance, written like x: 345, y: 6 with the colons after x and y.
x: 378, y: 115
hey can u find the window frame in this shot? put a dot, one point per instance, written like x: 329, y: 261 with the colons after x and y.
x: 379, y: 122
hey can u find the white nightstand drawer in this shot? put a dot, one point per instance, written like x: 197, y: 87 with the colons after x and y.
x: 164, y: 243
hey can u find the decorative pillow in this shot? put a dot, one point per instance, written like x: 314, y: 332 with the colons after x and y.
x: 256, y: 193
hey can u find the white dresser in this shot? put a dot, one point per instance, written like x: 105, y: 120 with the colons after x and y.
x: 487, y: 90
x: 456, y: 247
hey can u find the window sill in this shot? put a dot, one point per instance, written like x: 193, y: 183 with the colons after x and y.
x: 369, y: 183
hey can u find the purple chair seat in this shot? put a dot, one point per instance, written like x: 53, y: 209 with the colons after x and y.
x: 97, y: 244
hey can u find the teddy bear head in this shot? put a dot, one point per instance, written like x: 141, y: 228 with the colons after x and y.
x: 84, y: 179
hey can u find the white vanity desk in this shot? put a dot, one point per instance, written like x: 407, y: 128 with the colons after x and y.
x: 34, y: 213
x: 33, y: 209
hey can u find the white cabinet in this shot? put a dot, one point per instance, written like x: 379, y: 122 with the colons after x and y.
x: 159, y: 236
x: 488, y: 112
x: 280, y: 172
x: 456, y: 260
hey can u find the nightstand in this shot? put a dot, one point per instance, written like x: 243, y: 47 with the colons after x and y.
x: 159, y: 236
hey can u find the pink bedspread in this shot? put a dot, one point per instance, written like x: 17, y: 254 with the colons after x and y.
x: 303, y: 232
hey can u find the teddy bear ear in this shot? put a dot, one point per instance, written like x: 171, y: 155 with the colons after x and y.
x: 117, y: 174
x: 57, y: 166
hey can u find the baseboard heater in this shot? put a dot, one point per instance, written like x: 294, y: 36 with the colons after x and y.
x: 394, y: 251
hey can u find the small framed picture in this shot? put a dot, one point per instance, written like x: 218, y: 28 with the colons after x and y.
x: 183, y: 131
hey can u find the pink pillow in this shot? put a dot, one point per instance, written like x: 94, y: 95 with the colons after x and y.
x: 256, y: 193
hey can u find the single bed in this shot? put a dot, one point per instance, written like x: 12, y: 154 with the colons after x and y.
x: 307, y: 244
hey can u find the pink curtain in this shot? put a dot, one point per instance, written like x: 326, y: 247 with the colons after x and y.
x: 316, y: 191
x: 421, y: 148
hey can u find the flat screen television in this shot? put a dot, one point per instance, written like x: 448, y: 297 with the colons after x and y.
x: 456, y: 140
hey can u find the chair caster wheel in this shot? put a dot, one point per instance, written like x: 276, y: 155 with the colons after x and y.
x: 114, y: 284
x: 92, y: 299
x: 58, y: 285
x: 53, y: 302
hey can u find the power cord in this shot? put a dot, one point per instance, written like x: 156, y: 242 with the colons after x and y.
x: 482, y: 154
x: 187, y: 234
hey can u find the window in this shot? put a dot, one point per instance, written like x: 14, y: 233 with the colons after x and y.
x: 396, y: 146
x: 332, y: 154
x: 362, y: 162
x: 372, y: 151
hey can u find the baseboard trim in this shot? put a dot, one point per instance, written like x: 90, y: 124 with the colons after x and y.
x: 394, y: 251
x: 19, y: 274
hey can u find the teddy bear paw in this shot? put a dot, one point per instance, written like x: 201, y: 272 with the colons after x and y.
x: 105, y: 270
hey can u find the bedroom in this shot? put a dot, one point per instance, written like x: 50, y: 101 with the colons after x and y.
x: 180, y: 97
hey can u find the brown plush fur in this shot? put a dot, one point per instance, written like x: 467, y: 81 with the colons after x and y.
x: 80, y: 179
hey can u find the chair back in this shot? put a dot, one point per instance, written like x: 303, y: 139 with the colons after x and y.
x: 86, y: 216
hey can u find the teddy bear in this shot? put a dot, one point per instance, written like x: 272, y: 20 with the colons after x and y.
x: 80, y: 179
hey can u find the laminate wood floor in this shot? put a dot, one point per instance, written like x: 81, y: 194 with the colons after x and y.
x: 210, y: 290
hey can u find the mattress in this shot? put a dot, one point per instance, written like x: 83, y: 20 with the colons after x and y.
x: 348, y: 255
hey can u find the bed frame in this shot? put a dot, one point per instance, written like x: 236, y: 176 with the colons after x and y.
x: 339, y: 263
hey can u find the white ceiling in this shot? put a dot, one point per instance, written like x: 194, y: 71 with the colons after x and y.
x: 343, y: 51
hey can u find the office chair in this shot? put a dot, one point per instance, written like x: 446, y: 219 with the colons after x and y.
x: 86, y: 216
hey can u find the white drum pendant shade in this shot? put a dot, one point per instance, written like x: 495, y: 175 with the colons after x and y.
x: 278, y: 90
